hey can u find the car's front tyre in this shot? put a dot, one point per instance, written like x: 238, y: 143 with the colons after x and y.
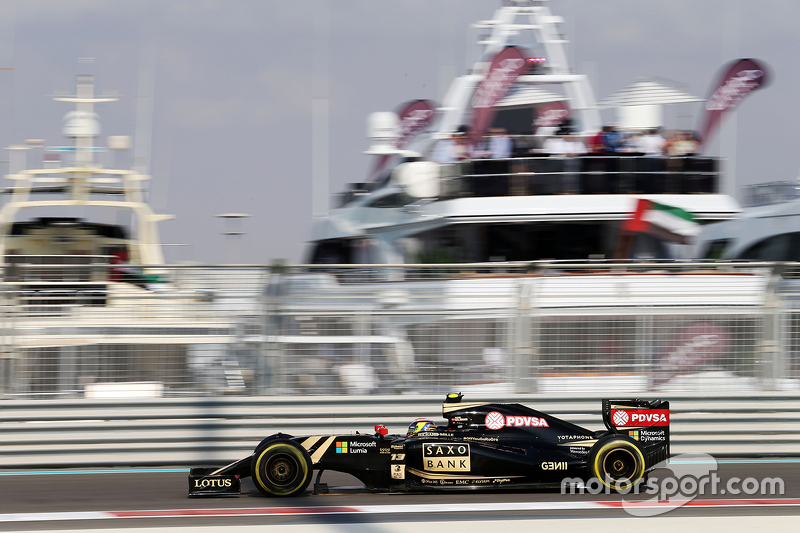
x: 281, y: 467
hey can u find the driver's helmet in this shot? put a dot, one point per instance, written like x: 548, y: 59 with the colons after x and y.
x: 420, y: 424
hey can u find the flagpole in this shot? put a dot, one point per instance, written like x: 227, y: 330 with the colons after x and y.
x: 728, y: 127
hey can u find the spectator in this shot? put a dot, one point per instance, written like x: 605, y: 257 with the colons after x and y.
x: 614, y: 140
x: 500, y: 144
x: 481, y: 151
x: 682, y: 144
x: 598, y: 144
x: 445, y: 150
x: 564, y: 144
x: 652, y: 144
x: 567, y: 146
x: 554, y: 146
x: 630, y: 142
x: 463, y: 149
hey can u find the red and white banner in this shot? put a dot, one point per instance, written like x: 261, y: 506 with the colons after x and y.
x: 693, y: 347
x: 414, y: 117
x: 740, y: 78
x: 504, y: 70
x: 639, y: 418
x: 550, y: 115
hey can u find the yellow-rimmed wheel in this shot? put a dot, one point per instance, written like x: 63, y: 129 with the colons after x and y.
x: 281, y: 467
x: 617, y: 462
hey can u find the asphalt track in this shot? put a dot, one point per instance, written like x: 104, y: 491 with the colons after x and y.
x: 81, y: 500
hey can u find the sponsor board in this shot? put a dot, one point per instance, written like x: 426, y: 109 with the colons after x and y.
x: 215, y: 483
x: 206, y: 485
x: 480, y: 439
x: 446, y: 457
x: 648, y: 435
x: 578, y: 450
x: 496, y: 420
x: 354, y: 446
x: 478, y: 481
x: 640, y: 417
x: 398, y: 471
x: 554, y: 465
x: 436, y: 434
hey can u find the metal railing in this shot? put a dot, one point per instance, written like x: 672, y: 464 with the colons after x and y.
x: 507, y: 328
x: 209, y: 431
x: 588, y: 174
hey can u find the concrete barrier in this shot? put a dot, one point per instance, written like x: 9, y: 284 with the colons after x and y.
x: 151, y: 432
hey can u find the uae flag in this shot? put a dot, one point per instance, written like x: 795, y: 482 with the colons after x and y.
x: 665, y: 222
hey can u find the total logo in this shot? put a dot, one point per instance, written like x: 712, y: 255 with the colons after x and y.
x: 495, y: 420
x: 640, y: 417
x: 353, y: 447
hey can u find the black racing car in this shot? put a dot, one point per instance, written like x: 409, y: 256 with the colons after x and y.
x: 484, y: 445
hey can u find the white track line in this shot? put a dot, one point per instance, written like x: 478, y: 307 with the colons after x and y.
x: 383, y: 509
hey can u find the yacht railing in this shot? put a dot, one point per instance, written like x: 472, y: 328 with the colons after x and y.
x: 591, y: 174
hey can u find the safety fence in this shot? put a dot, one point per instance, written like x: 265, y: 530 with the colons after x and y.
x: 199, y: 431
x: 495, y: 328
x: 543, y: 175
x: 72, y: 330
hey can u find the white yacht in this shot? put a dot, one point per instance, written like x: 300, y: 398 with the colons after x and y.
x: 367, y: 304
x: 521, y: 208
x: 74, y: 182
x: 768, y: 229
x: 88, y: 302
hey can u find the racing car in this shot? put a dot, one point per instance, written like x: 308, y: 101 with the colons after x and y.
x: 482, y: 445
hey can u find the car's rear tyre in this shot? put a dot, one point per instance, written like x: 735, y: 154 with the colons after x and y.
x: 617, y: 462
x: 281, y: 467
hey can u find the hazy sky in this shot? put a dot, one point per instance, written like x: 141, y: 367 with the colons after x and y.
x: 234, y: 82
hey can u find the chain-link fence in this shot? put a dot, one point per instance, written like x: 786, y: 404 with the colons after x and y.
x: 552, y: 328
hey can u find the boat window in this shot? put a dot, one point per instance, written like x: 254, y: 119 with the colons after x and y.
x: 784, y: 247
x: 333, y: 252
x: 399, y: 199
x: 344, y: 251
x: 525, y: 241
x: 716, y: 249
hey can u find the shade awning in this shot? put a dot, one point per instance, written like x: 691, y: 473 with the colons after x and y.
x: 527, y: 96
x: 647, y: 92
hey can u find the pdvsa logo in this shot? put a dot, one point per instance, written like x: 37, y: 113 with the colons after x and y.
x: 640, y: 417
x: 495, y: 420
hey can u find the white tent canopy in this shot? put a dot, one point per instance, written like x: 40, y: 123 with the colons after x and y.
x: 647, y: 92
x: 527, y: 96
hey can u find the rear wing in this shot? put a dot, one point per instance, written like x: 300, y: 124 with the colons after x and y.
x: 645, y: 421
x: 620, y: 416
